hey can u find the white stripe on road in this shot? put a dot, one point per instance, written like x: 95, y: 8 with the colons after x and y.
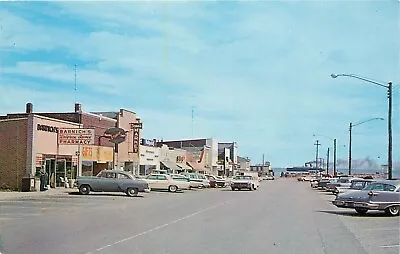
x: 390, y: 246
x: 159, y: 227
x: 383, y: 229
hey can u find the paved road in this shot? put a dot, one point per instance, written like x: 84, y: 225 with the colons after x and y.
x: 283, y: 216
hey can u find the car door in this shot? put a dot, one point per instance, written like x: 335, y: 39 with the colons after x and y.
x: 162, y: 182
x: 121, y: 182
x: 105, y: 182
x: 152, y: 180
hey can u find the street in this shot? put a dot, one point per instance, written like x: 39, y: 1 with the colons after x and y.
x: 282, y: 216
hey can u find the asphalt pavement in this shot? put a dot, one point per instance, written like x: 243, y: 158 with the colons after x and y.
x: 282, y: 216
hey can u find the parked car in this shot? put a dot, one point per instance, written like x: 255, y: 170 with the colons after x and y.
x: 268, y: 178
x: 215, y: 181
x: 342, y: 183
x: 381, y: 195
x: 112, y: 181
x: 179, y: 177
x: 356, y: 185
x: 244, y: 182
x: 166, y: 182
x: 322, y: 183
x: 204, y: 181
x: 194, y: 180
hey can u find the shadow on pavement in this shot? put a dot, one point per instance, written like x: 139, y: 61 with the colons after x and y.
x: 104, y: 194
x: 352, y: 213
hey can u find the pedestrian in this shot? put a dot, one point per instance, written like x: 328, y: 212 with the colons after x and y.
x: 43, y: 180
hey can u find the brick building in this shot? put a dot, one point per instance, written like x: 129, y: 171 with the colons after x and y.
x: 28, y: 143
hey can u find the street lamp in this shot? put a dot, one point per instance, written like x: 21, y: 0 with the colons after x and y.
x: 334, y: 152
x: 350, y: 135
x: 389, y: 95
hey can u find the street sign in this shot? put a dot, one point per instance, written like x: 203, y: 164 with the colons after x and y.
x: 75, y: 136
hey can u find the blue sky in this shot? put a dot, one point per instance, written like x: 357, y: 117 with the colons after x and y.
x: 255, y: 72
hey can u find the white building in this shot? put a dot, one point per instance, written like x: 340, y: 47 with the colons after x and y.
x: 149, y: 158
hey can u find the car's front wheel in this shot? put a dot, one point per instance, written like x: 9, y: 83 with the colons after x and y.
x: 393, y: 210
x: 361, y: 211
x: 252, y: 187
x: 132, y: 192
x: 84, y: 189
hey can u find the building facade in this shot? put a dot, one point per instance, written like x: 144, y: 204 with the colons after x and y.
x: 243, y: 164
x: 149, y: 157
x: 30, y: 142
x: 202, y: 153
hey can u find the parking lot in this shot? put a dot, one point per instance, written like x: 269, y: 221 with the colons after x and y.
x: 283, y: 216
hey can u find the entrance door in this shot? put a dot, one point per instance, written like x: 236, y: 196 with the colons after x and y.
x: 50, y: 166
x: 61, y: 172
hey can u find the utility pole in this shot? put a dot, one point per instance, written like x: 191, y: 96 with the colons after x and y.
x: 350, y: 128
x: 334, y: 158
x: 390, y: 172
x: 317, y: 144
x: 327, y: 162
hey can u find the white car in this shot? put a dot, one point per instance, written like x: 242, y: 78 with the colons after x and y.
x: 166, y: 182
x: 245, y: 182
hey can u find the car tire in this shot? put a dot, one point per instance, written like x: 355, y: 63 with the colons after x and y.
x: 252, y: 187
x: 361, y: 211
x: 393, y: 210
x: 84, y: 189
x: 233, y: 189
x: 172, y: 188
x: 132, y: 192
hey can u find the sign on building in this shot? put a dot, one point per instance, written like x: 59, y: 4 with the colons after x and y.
x: 136, y: 125
x: 75, y: 136
x: 136, y: 140
x: 148, y: 142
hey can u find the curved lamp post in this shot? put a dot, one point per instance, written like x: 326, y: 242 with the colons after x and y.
x: 350, y: 135
x: 388, y: 86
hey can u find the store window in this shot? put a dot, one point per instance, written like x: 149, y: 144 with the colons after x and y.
x: 87, y: 168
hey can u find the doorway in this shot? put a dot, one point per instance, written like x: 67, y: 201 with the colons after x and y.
x: 50, y: 166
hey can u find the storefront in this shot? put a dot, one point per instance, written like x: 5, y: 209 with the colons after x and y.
x: 96, y: 159
x: 60, y: 161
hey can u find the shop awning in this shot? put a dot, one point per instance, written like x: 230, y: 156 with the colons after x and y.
x: 171, y: 165
x: 184, y: 166
x: 196, y: 166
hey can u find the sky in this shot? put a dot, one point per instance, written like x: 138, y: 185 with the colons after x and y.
x: 254, y: 72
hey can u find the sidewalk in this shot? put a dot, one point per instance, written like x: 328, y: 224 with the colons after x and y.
x: 15, y: 195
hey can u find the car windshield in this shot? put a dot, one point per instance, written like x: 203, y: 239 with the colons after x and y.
x: 243, y: 178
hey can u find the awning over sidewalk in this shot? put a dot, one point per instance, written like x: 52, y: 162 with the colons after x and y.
x: 196, y: 166
x: 171, y: 165
x: 184, y: 166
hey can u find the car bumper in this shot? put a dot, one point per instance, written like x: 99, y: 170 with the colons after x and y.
x: 350, y: 204
x: 147, y: 190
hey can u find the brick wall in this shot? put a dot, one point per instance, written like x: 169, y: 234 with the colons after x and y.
x: 13, y: 153
x: 99, y: 124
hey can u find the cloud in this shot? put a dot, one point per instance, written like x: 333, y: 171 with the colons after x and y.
x: 256, y: 72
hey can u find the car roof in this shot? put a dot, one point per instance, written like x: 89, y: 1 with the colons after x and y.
x: 392, y: 182
x: 116, y: 171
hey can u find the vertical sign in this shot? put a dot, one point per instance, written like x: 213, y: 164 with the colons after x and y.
x: 136, y: 140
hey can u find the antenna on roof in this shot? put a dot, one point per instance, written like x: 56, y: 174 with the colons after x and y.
x: 75, y: 85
